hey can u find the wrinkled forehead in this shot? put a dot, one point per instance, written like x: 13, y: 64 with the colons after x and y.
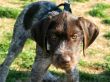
x: 64, y: 23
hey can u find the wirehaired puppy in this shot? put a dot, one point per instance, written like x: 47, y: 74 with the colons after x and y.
x: 59, y: 37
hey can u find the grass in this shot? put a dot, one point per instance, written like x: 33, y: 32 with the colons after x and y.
x: 3, y: 51
x: 8, y: 12
x: 21, y: 67
x: 15, y: 75
x: 107, y: 58
x: 84, y: 77
x: 79, y: 0
x: 26, y: 59
x: 96, y: 66
x: 98, y: 10
x: 93, y: 77
x: 97, y: 13
x: 106, y: 21
x: 107, y: 35
x: 92, y: 52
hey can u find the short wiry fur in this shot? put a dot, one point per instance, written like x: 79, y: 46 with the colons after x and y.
x: 58, y: 35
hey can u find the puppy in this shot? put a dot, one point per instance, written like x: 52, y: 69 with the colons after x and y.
x: 58, y: 36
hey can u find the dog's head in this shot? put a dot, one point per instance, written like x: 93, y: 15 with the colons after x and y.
x: 62, y: 35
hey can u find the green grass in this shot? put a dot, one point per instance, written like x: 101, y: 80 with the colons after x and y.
x: 26, y: 59
x: 107, y: 35
x: 94, y: 77
x: 8, y: 12
x: 3, y: 51
x: 97, y: 13
x: 83, y: 63
x: 84, y: 77
x: 96, y: 65
x: 28, y: 0
x: 17, y: 75
x: 92, y: 52
x: 107, y: 59
x: 106, y: 21
x: 79, y: 0
x: 99, y: 10
x: 102, y: 6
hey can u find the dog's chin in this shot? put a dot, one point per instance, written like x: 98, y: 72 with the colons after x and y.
x: 62, y: 65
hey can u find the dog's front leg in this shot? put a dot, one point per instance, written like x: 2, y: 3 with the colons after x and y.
x: 40, y: 66
x: 73, y: 75
x: 39, y: 69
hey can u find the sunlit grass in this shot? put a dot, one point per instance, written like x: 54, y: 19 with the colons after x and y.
x: 97, y: 13
x: 99, y: 10
x: 8, y: 12
x: 80, y: 0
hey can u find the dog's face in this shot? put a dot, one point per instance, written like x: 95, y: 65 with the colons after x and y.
x: 64, y: 40
x: 63, y: 35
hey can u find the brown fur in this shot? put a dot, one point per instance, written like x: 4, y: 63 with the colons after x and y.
x: 63, y: 27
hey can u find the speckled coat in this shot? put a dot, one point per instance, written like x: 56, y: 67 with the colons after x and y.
x: 74, y: 31
x: 22, y: 31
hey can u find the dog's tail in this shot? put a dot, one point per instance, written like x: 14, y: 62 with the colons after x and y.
x: 27, y: 21
x: 66, y: 7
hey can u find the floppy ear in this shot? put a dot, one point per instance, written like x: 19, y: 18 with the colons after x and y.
x: 39, y: 31
x: 90, y: 32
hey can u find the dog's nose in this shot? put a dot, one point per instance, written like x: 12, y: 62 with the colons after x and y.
x: 66, y: 59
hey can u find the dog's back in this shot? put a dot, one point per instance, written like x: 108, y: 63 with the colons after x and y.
x: 35, y: 12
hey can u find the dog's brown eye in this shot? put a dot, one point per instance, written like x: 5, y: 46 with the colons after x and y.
x: 74, y: 36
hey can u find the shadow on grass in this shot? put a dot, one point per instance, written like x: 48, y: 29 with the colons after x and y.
x: 17, y: 76
x: 22, y: 76
x: 102, y: 77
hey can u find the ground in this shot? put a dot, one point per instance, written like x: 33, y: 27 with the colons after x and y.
x: 94, y: 67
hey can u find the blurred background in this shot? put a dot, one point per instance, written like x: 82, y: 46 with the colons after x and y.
x: 94, y: 67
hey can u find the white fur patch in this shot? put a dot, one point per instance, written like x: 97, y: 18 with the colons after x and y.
x: 48, y: 46
x: 61, y: 48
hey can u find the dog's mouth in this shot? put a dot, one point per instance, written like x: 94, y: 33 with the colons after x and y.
x: 63, y: 62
